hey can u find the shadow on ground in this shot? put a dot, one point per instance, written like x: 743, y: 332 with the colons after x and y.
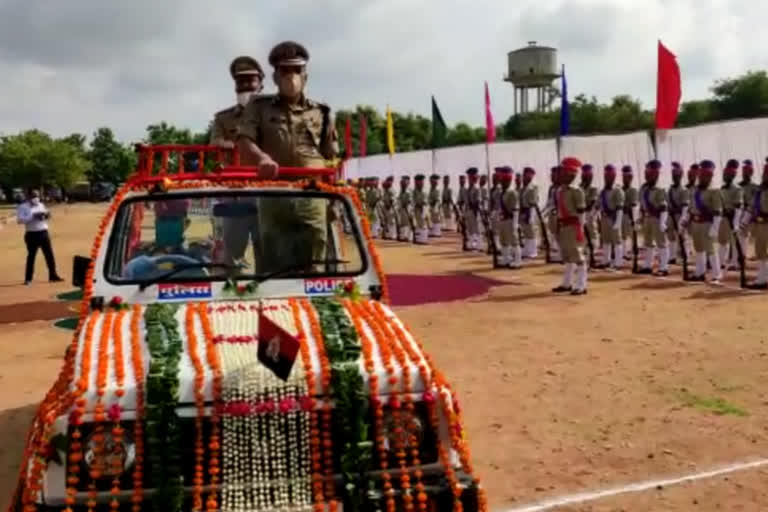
x: 14, y: 425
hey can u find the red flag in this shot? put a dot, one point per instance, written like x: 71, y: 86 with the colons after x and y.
x: 277, y: 348
x: 363, y: 136
x: 348, y: 138
x: 490, y: 128
x: 667, y: 89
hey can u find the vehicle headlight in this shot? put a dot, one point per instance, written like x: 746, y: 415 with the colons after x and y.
x: 404, y: 429
x: 106, y: 457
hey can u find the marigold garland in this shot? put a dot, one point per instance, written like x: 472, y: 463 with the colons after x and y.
x: 198, y: 479
x: 137, y: 360
x: 214, y: 443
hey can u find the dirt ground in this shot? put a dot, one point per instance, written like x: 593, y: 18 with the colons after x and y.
x: 642, y: 379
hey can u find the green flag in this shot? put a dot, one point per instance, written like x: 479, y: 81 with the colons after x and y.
x: 439, y: 130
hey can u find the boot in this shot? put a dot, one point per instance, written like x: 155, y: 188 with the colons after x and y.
x: 503, y: 259
x: 581, y: 280
x: 565, y: 286
x: 663, y: 262
x: 516, y: 257
x: 717, y: 271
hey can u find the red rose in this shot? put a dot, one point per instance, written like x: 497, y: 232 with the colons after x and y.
x: 349, y: 286
x: 241, y: 288
x: 116, y: 301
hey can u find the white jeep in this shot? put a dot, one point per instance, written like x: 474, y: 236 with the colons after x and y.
x: 235, y: 352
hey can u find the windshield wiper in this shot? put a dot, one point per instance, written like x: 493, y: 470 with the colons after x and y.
x: 182, y: 267
x: 295, y: 267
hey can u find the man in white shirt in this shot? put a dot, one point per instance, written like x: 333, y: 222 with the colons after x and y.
x: 34, y: 215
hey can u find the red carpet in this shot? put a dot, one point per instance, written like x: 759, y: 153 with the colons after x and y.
x: 413, y: 289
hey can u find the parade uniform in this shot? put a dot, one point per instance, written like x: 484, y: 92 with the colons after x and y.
x: 749, y: 189
x: 435, y: 211
x: 551, y: 211
x: 494, y: 206
x: 472, y: 211
x: 757, y: 217
x: 590, y: 197
x: 446, y: 196
x: 529, y: 201
x: 655, y: 214
x: 631, y: 198
x: 509, y: 215
x: 293, y: 134
x: 733, y: 203
x: 421, y: 236
x: 705, y: 212
x: 611, y: 206
x: 571, y: 207
x: 372, y: 199
x: 404, y: 210
x: 677, y: 199
x: 388, y: 199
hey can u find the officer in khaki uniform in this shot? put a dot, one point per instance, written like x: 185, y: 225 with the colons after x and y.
x: 529, y: 202
x: 571, y: 211
x: 677, y: 196
x: 654, y: 211
x: 447, y: 203
x: 420, y: 210
x: 495, y: 203
x: 289, y: 130
x: 705, y: 210
x: 248, y: 77
x: 630, y: 208
x: 461, y: 201
x: 372, y: 199
x: 435, y: 212
x: 485, y: 196
x: 472, y: 211
x: 690, y: 186
x: 611, y: 206
x: 550, y: 212
x: 509, y: 218
x: 749, y: 189
x: 388, y: 221
x: 404, y: 209
x: 757, y: 216
x: 733, y: 203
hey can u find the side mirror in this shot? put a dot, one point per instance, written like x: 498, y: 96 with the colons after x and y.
x: 80, y: 266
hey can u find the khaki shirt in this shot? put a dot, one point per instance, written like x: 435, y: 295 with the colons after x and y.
x: 434, y: 197
x: 759, y: 207
x: 552, y: 196
x: 484, y: 196
x: 748, y: 191
x: 653, y: 200
x: 630, y: 197
x: 732, y: 198
x: 590, y: 196
x: 496, y: 193
x: 447, y: 195
x: 611, y: 201
x: 225, y: 125
x: 301, y: 135
x: 678, y: 199
x: 388, y: 196
x: 404, y: 199
x: 463, y: 195
x: 705, y: 204
x: 510, y: 201
x: 371, y: 197
x: 570, y: 202
x: 474, y: 197
x: 419, y: 198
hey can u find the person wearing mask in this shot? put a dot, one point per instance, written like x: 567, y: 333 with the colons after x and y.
x: 248, y: 76
x: 34, y: 215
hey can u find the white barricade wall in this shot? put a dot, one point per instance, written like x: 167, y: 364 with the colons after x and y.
x: 455, y: 161
x: 633, y: 149
x: 539, y: 154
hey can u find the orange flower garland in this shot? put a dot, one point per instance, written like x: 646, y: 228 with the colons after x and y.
x: 137, y: 361
x: 314, y: 439
x: 378, y: 409
x: 198, y: 481
x: 117, y: 430
x: 327, y: 408
x: 214, y: 444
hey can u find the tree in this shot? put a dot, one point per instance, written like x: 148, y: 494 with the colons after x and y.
x: 111, y: 161
x: 33, y: 159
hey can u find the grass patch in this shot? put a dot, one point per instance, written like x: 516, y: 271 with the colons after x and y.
x: 716, y: 405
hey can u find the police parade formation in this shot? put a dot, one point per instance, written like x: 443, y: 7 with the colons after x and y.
x: 707, y: 231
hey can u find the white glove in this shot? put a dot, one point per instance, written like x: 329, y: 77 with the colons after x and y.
x: 663, y: 217
x: 684, y: 217
x: 745, y: 220
x: 617, y: 222
x: 582, y: 218
x: 515, y: 221
x: 715, y: 228
x: 737, y: 218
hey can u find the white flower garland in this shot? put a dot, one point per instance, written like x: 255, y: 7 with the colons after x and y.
x: 265, y: 442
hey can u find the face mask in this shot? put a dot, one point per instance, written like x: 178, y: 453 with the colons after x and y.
x: 291, y: 85
x: 244, y: 97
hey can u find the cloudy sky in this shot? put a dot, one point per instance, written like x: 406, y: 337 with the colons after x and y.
x: 73, y: 65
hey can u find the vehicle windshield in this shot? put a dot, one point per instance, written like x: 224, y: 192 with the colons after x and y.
x: 216, y: 235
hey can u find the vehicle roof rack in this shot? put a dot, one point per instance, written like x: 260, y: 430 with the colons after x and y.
x: 182, y: 162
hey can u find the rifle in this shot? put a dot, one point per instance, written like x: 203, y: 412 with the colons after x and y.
x: 591, y: 246
x: 413, y: 225
x: 681, y: 242
x: 635, y: 249
x: 544, y: 233
x: 462, y: 227
x: 739, y: 253
x: 489, y: 235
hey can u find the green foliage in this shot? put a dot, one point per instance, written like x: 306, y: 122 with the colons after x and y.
x: 111, y: 161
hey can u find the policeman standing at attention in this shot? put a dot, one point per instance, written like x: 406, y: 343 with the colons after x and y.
x: 289, y: 130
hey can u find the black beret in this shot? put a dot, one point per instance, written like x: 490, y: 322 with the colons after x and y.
x: 419, y: 177
x: 732, y: 163
x: 627, y: 169
x: 472, y: 171
x: 654, y: 164
x: 434, y: 177
x: 245, y: 65
x: 747, y: 162
x: 288, y: 53
x: 707, y: 164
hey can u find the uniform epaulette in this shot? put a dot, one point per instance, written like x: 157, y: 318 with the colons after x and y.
x: 229, y: 110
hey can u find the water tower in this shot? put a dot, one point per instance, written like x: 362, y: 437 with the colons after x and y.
x: 533, y: 67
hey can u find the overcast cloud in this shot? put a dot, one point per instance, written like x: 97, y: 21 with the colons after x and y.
x: 71, y: 66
